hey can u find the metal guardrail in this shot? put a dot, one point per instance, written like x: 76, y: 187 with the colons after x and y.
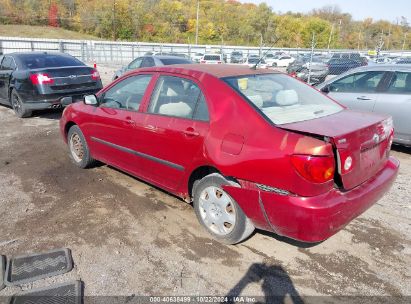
x: 124, y: 52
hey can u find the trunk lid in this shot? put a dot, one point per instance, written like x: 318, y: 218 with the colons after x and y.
x: 70, y: 78
x: 363, y: 137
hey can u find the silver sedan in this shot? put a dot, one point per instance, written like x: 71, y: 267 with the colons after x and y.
x: 381, y: 89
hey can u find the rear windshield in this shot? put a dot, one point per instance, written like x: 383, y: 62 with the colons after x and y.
x: 170, y: 61
x: 40, y: 61
x: 212, y: 57
x: 283, y: 99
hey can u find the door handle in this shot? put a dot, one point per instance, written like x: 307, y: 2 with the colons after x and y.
x: 363, y: 98
x: 129, y: 121
x: 190, y: 132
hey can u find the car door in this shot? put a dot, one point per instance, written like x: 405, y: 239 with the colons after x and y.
x: 6, y: 69
x: 395, y: 100
x: 357, y: 91
x: 114, y: 121
x: 172, y: 136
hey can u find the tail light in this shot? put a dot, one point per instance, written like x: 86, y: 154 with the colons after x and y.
x: 316, y: 169
x: 202, y: 61
x: 219, y: 62
x: 95, y: 75
x: 42, y: 78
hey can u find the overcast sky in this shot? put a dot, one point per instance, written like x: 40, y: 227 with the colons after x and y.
x: 359, y: 9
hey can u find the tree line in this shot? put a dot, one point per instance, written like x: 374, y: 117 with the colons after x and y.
x: 227, y: 22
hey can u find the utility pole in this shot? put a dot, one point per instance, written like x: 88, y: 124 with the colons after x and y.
x: 359, y: 38
x: 380, y: 44
x: 198, y: 11
x: 114, y: 20
x: 311, y: 58
x: 403, y: 44
x: 261, y: 44
x: 329, y: 38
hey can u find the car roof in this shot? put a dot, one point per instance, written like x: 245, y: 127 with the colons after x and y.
x: 217, y: 70
x: 383, y: 67
x: 17, y: 54
x: 165, y: 57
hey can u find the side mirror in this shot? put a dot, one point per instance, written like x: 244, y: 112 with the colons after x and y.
x: 90, y: 100
x: 326, y: 89
x: 66, y: 101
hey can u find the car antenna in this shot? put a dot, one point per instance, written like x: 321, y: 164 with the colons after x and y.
x: 254, y: 67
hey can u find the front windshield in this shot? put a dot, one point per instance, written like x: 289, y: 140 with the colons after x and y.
x: 283, y: 99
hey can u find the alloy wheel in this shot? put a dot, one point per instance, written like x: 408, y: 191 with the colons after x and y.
x: 217, y: 210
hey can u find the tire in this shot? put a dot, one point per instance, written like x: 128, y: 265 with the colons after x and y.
x: 18, y: 105
x: 78, y: 148
x: 218, y: 212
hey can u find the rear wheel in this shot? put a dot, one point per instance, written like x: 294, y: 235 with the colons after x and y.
x: 218, y: 212
x: 19, y: 107
x: 79, y: 151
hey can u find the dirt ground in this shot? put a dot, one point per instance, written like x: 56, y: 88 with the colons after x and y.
x: 128, y: 238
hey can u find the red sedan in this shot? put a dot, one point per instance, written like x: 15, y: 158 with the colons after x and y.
x: 250, y: 148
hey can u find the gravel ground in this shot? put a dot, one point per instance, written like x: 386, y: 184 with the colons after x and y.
x: 128, y: 238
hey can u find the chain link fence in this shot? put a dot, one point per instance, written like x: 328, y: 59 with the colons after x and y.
x: 311, y: 65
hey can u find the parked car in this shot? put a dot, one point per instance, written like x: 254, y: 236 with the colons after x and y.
x: 382, y: 60
x: 269, y: 58
x: 39, y: 80
x: 403, y: 60
x: 149, y: 61
x: 212, y: 59
x: 253, y: 60
x: 353, y: 56
x: 363, y: 60
x: 384, y: 89
x: 302, y: 65
x: 196, y: 57
x: 236, y: 57
x: 314, y: 76
x: 282, y: 61
x: 337, y: 66
x: 250, y: 148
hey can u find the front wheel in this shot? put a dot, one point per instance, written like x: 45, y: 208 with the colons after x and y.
x: 19, y: 107
x: 218, y: 212
x: 79, y: 151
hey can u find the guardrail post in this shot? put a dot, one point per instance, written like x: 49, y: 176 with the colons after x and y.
x: 32, y: 46
x: 61, y: 46
x: 132, y: 52
x: 1, y: 47
x: 111, y: 52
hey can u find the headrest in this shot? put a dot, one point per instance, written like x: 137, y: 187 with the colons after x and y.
x: 180, y: 109
x: 286, y: 97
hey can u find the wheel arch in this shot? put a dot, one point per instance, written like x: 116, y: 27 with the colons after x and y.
x: 67, y: 127
x: 197, y: 174
x: 202, y: 171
